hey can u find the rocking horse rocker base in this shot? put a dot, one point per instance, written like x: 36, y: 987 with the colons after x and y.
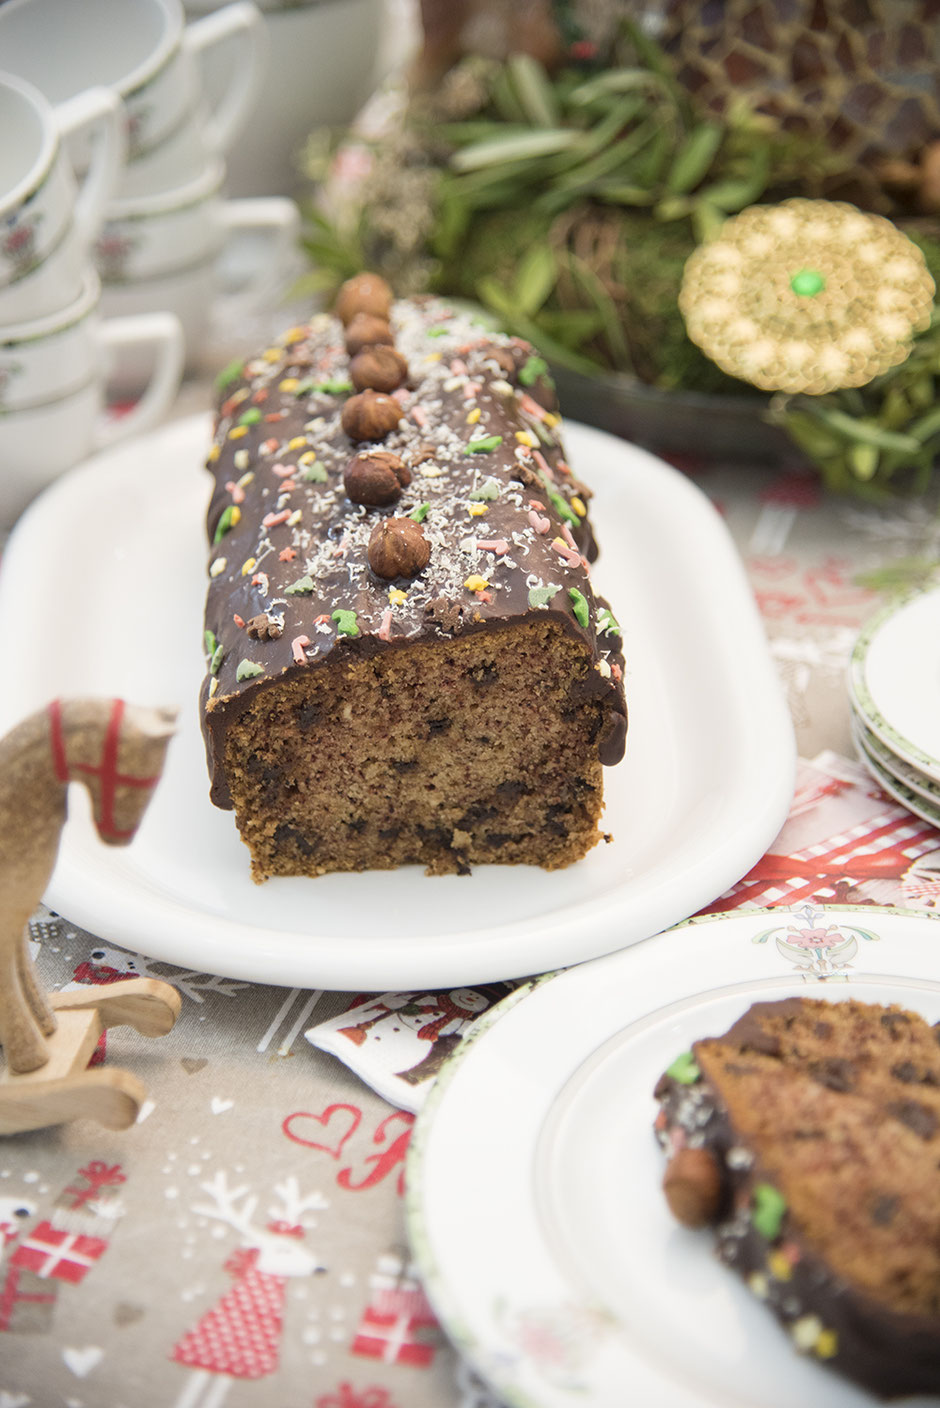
x: 117, y: 752
x: 63, y: 1088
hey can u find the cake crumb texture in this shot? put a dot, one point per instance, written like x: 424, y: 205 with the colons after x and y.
x: 440, y: 756
x: 822, y: 1120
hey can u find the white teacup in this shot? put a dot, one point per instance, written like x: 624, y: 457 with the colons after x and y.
x: 149, y: 236
x: 40, y: 438
x: 47, y: 221
x: 195, y: 292
x: 326, y: 60
x: 144, y: 52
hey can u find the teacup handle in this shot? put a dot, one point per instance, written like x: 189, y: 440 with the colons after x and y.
x: 164, y: 333
x: 242, y: 22
x: 99, y: 113
x: 281, y: 218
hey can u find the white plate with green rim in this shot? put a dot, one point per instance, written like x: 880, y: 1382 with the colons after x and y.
x: 894, y: 679
x: 534, y: 1204
x: 895, y: 788
x: 890, y: 763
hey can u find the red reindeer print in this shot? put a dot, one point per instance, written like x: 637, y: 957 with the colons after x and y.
x: 239, y: 1338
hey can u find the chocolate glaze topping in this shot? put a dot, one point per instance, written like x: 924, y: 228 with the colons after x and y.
x: 505, y: 518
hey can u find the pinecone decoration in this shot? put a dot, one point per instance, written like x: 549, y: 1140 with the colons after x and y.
x: 861, y: 75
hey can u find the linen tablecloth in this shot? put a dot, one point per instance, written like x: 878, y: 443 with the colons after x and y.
x: 244, y: 1242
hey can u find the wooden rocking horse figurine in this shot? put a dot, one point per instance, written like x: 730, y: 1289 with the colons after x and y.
x: 117, y: 751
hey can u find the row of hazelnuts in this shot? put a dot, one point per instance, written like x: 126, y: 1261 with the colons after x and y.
x: 397, y: 547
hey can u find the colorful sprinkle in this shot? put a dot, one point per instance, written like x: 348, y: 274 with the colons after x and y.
x: 806, y: 1331
x: 779, y: 1266
x: 287, y: 555
x: 314, y: 473
x: 540, y: 524
x: 294, y: 518
x: 299, y: 442
x: 684, y: 1069
x: 768, y: 1210
x: 218, y: 567
x: 497, y: 545
x: 297, y: 649
x: 475, y: 583
x: 247, y: 670
x: 827, y: 1344
x: 214, y: 454
x: 487, y: 490
x: 397, y: 597
x: 579, y: 506
x: 237, y: 431
x: 437, y: 332
x: 250, y: 417
x: 475, y: 510
x: 484, y: 446
x: 334, y: 387
x: 274, y: 520
x: 271, y: 354
x: 346, y: 623
x: 567, y: 554
x: 474, y: 415
x: 525, y: 437
x: 290, y: 383
x: 229, y: 374
x: 231, y: 515
x: 215, y: 663
x: 249, y: 565
x: 606, y: 622
x: 579, y: 606
x: 532, y: 369
x: 302, y: 585
x: 541, y: 596
x: 420, y: 513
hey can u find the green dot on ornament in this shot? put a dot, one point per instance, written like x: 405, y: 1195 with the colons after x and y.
x: 807, y: 283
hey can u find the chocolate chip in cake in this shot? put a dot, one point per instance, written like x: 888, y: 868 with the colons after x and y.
x: 920, y: 1118
x: 884, y: 1209
x: 909, y: 1074
x: 835, y: 1073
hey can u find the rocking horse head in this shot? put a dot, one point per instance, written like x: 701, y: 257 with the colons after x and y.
x: 117, y: 750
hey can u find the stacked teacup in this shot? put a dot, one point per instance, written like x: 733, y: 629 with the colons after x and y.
x: 167, y: 225
x: 55, y: 348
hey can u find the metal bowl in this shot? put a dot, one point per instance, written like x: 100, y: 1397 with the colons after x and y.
x: 675, y: 422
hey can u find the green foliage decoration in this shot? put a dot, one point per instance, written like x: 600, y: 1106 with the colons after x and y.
x: 566, y: 205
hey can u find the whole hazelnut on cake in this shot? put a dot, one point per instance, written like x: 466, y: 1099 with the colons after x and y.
x: 375, y: 478
x: 370, y: 415
x: 364, y: 293
x: 378, y: 368
x: 365, y: 330
x: 398, y: 548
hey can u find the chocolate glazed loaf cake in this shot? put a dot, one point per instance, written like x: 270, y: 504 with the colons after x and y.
x: 809, y: 1135
x: 406, y: 661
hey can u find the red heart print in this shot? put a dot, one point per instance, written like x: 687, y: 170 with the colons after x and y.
x: 347, y: 1121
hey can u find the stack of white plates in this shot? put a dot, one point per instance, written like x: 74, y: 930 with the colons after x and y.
x: 894, y: 690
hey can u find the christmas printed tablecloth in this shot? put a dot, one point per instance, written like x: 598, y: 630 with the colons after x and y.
x: 243, y: 1243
